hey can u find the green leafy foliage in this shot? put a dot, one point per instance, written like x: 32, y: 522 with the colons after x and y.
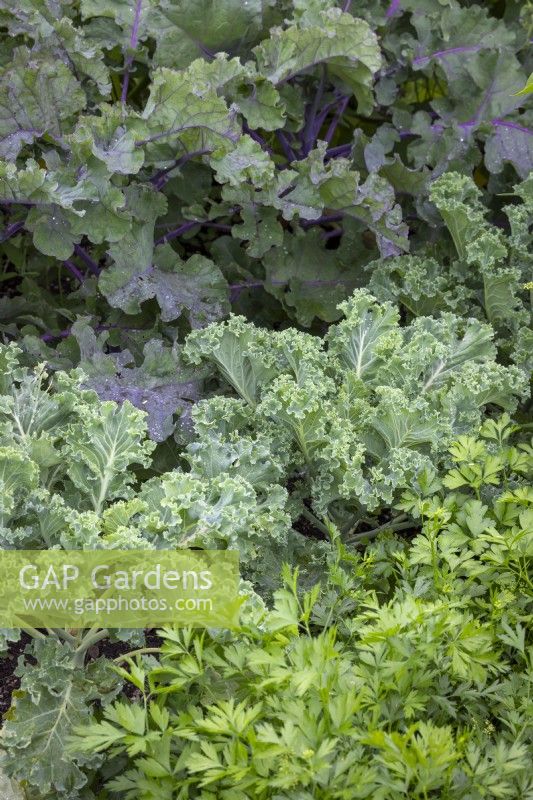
x: 407, y: 674
x: 54, y: 697
x: 335, y: 426
x: 104, y: 175
x: 266, y: 284
x: 63, y: 451
x: 361, y: 413
x: 73, y: 474
x: 485, y: 275
x: 160, y: 161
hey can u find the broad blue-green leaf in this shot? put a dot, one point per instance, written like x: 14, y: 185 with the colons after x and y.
x: 246, y: 162
x: 194, y: 288
x: 10, y: 790
x: 162, y: 386
x: 292, y: 268
x: 345, y: 44
x: 133, y: 254
x: 187, y: 28
x: 188, y: 112
x: 260, y: 228
x: 111, y: 139
x: 44, y: 715
x: 38, y: 98
x: 510, y: 142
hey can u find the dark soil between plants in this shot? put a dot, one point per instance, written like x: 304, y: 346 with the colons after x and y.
x: 9, y: 682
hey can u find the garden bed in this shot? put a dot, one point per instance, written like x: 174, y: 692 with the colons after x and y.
x: 266, y: 287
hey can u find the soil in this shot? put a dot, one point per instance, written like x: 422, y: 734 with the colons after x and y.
x: 9, y: 682
x: 305, y: 526
x: 112, y: 650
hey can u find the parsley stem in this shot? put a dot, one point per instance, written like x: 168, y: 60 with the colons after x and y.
x: 140, y: 652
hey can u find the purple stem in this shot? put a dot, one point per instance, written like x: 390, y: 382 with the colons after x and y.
x: 393, y: 8
x: 25, y: 203
x: 497, y: 123
x: 219, y: 226
x: 233, y: 137
x: 322, y: 117
x: 341, y: 150
x: 332, y: 234
x: 337, y: 118
x: 50, y: 337
x: 500, y: 123
x: 178, y: 231
x: 11, y: 230
x: 451, y: 51
x: 237, y: 288
x: 324, y: 220
x: 257, y: 138
x: 134, y: 38
x: 72, y: 268
x: 311, y: 128
x: 287, y: 149
x: 485, y: 101
x: 204, y: 50
x: 187, y: 226
x: 346, y: 6
x: 87, y: 260
x: 160, y: 178
x: 286, y: 191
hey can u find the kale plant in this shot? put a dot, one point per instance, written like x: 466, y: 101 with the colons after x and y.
x: 266, y: 284
x: 486, y: 274
x: 163, y: 160
x: 407, y: 675
x: 352, y: 417
x: 76, y: 473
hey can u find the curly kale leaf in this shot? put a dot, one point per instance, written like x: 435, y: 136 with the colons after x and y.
x: 484, y: 275
x: 360, y: 413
